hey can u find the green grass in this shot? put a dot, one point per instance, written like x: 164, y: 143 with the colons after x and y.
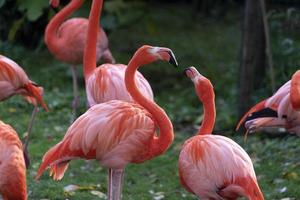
x: 212, y: 47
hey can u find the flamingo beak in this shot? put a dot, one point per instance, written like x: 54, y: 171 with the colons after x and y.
x: 172, y: 60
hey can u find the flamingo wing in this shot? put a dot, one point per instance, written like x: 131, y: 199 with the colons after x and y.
x: 115, y: 133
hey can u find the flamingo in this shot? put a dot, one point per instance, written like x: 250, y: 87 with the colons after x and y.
x: 66, y: 41
x: 12, y: 165
x: 14, y: 81
x: 117, y: 133
x: 214, y: 166
x: 279, y: 110
x: 106, y: 82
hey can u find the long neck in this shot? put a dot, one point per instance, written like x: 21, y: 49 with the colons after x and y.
x: 159, y: 144
x: 89, y: 60
x: 209, y: 118
x: 51, y: 37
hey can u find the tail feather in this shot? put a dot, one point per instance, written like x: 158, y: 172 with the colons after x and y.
x: 295, y: 91
x: 35, y: 95
x: 51, y: 157
x: 255, y: 108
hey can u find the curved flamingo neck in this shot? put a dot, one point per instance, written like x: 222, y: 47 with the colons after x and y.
x: 159, y: 144
x: 51, y: 38
x: 89, y: 59
x: 209, y: 108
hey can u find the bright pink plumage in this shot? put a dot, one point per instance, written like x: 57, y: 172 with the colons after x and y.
x: 284, y: 106
x: 12, y: 165
x: 213, y: 166
x: 66, y: 39
x: 115, y: 133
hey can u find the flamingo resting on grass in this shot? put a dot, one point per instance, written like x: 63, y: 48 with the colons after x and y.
x: 117, y: 133
x: 12, y: 165
x: 14, y: 81
x: 66, y: 41
x: 280, y: 110
x: 106, y: 82
x: 214, y: 166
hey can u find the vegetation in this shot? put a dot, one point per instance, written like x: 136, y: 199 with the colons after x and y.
x: 211, y: 45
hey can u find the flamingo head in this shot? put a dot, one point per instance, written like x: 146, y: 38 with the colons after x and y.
x: 148, y: 54
x: 203, y: 86
x: 54, y: 3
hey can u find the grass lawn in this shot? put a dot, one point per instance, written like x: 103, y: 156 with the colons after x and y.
x: 210, y: 45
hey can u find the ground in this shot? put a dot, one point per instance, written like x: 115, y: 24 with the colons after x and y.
x: 210, y: 45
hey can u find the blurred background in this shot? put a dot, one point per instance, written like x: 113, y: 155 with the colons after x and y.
x: 248, y: 49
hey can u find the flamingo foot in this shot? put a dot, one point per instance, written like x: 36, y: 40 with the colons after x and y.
x: 115, y: 184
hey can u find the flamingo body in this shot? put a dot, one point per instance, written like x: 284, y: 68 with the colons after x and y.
x: 12, y: 165
x: 212, y: 166
x: 284, y: 103
x: 71, y: 37
x: 215, y: 167
x: 115, y: 133
x: 107, y: 83
x: 14, y: 81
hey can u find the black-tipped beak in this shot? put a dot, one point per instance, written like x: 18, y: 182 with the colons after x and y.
x: 172, y: 60
x: 185, y: 70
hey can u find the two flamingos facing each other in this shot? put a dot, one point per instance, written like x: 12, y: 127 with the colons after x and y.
x: 280, y: 110
x: 214, y: 166
x: 66, y: 41
x: 106, y: 82
x: 14, y: 81
x: 12, y: 165
x: 117, y: 133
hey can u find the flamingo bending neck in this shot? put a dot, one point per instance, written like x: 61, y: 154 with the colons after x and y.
x: 51, y: 38
x: 89, y: 57
x: 160, y: 143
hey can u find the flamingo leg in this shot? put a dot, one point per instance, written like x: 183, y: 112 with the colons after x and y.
x: 29, y: 129
x: 75, y: 101
x: 115, y: 184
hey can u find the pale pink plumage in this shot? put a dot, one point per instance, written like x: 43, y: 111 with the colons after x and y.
x: 282, y: 103
x: 107, y: 83
x: 12, y: 165
x: 213, y: 166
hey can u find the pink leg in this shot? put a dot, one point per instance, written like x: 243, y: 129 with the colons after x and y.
x: 75, y: 101
x: 26, y: 141
x: 115, y: 184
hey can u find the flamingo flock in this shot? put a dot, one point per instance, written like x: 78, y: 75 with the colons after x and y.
x: 125, y: 125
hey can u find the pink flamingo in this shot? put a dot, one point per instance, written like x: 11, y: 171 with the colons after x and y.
x: 214, y: 166
x: 106, y: 82
x: 14, y: 81
x: 66, y: 41
x: 12, y: 165
x: 116, y: 133
x: 279, y: 110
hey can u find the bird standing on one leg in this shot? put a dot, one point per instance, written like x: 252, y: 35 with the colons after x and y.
x: 117, y: 133
x: 66, y: 41
x: 14, y: 81
x: 106, y: 82
x: 12, y: 165
x: 279, y: 110
x: 214, y: 166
